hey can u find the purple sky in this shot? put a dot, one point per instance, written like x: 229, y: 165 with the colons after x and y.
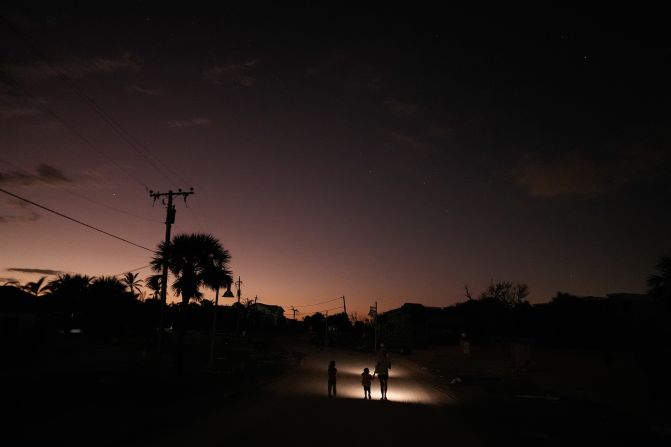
x: 380, y: 156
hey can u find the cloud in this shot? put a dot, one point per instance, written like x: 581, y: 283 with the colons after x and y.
x: 8, y: 111
x: 45, y: 174
x: 400, y: 108
x: 238, y: 75
x: 439, y: 131
x: 146, y: 91
x: 576, y: 174
x: 8, y: 280
x: 14, y: 105
x: 349, y: 73
x: 199, y: 121
x: 34, y: 270
x: 77, y: 68
x: 407, y: 139
x: 422, y: 137
x: 27, y: 213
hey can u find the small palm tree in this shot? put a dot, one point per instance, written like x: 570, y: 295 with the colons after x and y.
x: 132, y: 283
x: 35, y: 288
x: 153, y: 283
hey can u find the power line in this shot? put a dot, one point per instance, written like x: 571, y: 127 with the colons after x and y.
x: 133, y: 270
x: 83, y: 196
x: 15, y: 84
x: 76, y: 221
x: 112, y: 208
x: 322, y: 311
x: 323, y: 302
x: 125, y: 135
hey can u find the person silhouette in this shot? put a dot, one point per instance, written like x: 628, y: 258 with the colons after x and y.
x: 382, y: 368
x: 332, y: 371
x: 366, y: 381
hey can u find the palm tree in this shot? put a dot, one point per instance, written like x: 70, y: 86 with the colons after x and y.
x: 71, y: 286
x: 659, y: 283
x: 68, y: 292
x: 107, y: 305
x: 35, y: 287
x: 195, y: 260
x: 153, y: 283
x: 130, y: 281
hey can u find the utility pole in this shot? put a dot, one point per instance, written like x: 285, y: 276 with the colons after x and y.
x: 294, y: 310
x: 326, y: 323
x: 238, y: 283
x: 213, y: 331
x: 169, y: 220
x: 373, y: 311
x: 344, y: 304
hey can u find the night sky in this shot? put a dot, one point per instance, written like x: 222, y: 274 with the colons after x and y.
x: 382, y: 154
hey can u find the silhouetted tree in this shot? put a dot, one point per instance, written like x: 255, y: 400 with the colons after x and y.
x: 107, y: 306
x: 659, y: 283
x: 153, y: 283
x: 67, y: 294
x: 35, y: 288
x: 133, y: 284
x: 506, y: 292
x: 194, y: 260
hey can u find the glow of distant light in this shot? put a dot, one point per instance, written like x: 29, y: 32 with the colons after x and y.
x: 404, y: 386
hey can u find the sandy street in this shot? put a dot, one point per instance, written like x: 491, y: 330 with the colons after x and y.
x: 295, y: 408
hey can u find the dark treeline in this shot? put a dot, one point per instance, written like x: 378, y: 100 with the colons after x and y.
x: 112, y: 309
x: 104, y: 309
x: 501, y: 313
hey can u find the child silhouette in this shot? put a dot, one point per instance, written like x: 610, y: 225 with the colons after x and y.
x: 366, y: 380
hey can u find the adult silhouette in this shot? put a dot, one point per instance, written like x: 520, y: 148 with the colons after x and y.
x: 382, y: 367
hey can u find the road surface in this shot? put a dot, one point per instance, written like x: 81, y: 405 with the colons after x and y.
x: 295, y: 410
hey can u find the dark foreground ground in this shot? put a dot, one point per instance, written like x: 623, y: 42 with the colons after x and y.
x: 274, y: 391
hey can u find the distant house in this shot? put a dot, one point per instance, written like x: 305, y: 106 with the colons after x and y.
x: 267, y: 314
x: 412, y: 325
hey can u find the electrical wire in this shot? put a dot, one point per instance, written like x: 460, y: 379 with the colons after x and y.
x: 133, y: 270
x: 317, y: 304
x: 321, y: 311
x: 82, y: 196
x: 16, y: 85
x: 66, y: 79
x: 76, y: 221
x: 124, y: 134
